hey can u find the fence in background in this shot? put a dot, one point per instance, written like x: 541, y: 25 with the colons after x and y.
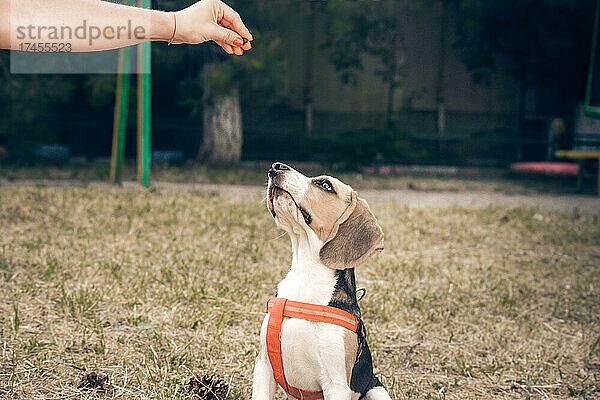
x: 283, y: 137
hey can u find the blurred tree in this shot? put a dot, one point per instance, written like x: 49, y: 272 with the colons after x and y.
x: 27, y: 102
x: 199, y: 83
x: 360, y: 27
x: 215, y: 87
x: 309, y: 66
x: 100, y: 91
x: 542, y: 43
x: 222, y: 115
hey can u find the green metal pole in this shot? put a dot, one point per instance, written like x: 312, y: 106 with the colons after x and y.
x: 120, y: 115
x: 144, y: 108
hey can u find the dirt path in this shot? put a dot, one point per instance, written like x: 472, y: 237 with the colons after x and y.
x: 582, y: 203
x: 586, y: 204
x: 413, y: 198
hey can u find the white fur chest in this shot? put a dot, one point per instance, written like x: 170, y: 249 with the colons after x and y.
x: 310, y: 284
x: 308, y: 347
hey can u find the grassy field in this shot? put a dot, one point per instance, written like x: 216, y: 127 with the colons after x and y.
x: 148, y: 288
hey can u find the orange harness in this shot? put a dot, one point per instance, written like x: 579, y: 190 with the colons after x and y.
x: 279, y: 308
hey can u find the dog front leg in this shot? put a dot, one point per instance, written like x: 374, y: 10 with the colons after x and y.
x: 263, y: 384
x: 337, y: 392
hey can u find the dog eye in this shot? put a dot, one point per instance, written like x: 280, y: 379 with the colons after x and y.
x: 325, y: 185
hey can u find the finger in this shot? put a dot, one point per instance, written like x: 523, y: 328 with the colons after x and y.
x: 228, y: 49
x: 233, y: 19
x: 224, y: 35
x: 238, y: 50
x: 246, y: 45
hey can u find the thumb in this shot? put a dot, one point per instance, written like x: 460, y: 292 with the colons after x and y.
x: 221, y: 34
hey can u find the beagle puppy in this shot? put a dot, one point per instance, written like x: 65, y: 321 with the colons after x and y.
x: 332, y: 230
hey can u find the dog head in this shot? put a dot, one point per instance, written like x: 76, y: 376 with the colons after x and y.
x: 326, y: 210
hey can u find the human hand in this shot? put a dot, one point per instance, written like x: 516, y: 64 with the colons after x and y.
x: 212, y: 20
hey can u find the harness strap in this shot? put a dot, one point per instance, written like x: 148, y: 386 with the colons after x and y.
x: 274, y: 342
x: 316, y: 312
x: 280, y: 308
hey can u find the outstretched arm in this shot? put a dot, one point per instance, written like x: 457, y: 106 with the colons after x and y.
x: 91, y: 25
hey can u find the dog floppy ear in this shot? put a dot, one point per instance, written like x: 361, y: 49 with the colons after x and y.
x: 355, y: 237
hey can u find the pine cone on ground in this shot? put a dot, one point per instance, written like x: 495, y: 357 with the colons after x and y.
x: 92, y: 380
x: 207, y: 388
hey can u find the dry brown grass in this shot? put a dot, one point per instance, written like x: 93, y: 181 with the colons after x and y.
x: 151, y: 287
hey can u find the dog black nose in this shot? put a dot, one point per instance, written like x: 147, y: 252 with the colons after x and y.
x: 276, y: 168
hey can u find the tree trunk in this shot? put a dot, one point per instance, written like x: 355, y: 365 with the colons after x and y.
x: 389, y: 109
x: 308, y: 73
x: 440, y: 96
x: 396, y: 69
x: 521, y: 124
x: 222, y: 142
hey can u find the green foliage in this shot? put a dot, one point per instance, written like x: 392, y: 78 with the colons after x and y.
x: 206, y: 71
x: 537, y: 42
x: 16, y: 320
x: 361, y: 27
x: 79, y: 302
x: 218, y: 79
x: 348, y: 37
x: 100, y: 89
x: 362, y: 147
x: 462, y: 368
x: 30, y: 102
x: 27, y: 102
x: 263, y: 74
x: 33, y: 344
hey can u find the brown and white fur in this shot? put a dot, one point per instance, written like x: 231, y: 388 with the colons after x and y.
x: 332, y: 230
